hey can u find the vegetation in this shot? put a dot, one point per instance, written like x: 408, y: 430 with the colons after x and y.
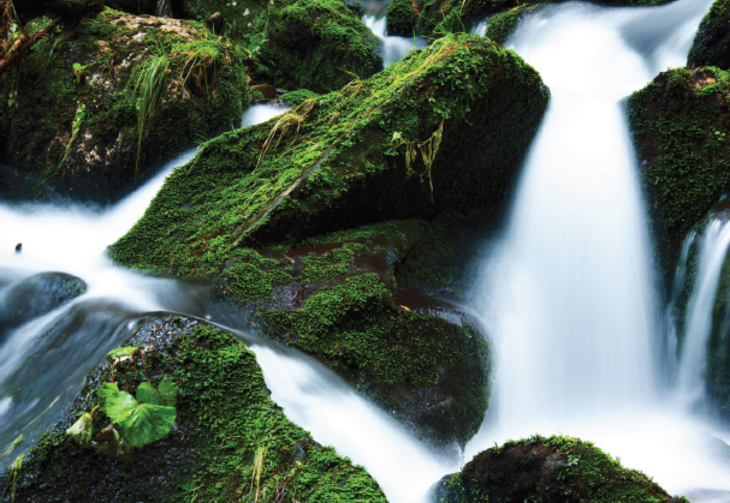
x: 549, y: 469
x: 502, y: 25
x: 230, y: 441
x: 679, y: 124
x: 711, y: 46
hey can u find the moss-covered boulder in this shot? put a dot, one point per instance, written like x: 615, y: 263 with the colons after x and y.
x: 444, y: 129
x: 318, y: 45
x: 501, y: 25
x: 711, y: 46
x: 679, y: 124
x: 35, y: 296
x: 227, y: 433
x: 87, y: 99
x: 239, y: 19
x: 551, y: 470
x: 402, y: 18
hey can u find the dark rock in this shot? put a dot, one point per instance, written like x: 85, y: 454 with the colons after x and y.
x: 18, y: 247
x: 267, y: 91
x: 711, y: 46
x: 36, y: 296
x: 549, y: 470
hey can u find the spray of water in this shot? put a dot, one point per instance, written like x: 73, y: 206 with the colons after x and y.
x: 393, y: 48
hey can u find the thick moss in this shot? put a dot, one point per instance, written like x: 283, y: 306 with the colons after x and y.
x: 402, y: 18
x: 224, y: 418
x: 296, y: 98
x: 551, y: 470
x: 72, y: 119
x: 711, y: 46
x: 679, y: 124
x: 340, y: 162
x: 238, y: 18
x: 501, y: 26
x: 317, y: 45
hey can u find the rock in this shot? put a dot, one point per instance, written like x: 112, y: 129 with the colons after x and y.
x: 224, y: 419
x: 18, y: 247
x: 465, y: 104
x: 679, y: 124
x: 711, y: 46
x: 36, y: 296
x: 242, y: 21
x: 552, y: 470
x: 402, y: 18
x: 74, y: 123
x: 502, y: 25
x: 317, y: 45
x: 267, y: 91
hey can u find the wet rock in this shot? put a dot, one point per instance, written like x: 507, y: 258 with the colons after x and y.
x: 318, y: 45
x: 711, y: 46
x: 242, y: 21
x: 551, y: 470
x: 74, y: 123
x: 36, y: 296
x: 267, y: 91
x: 225, y: 418
x: 679, y: 124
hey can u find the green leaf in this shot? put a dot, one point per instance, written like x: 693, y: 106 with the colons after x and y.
x: 119, y: 405
x: 166, y: 395
x: 81, y: 429
x: 120, y: 352
x: 147, y: 423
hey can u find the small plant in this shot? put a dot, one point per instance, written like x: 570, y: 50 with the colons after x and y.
x: 150, y: 85
x: 78, y: 71
x: 134, y: 421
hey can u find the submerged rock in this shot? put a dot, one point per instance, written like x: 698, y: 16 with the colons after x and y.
x: 95, y: 95
x: 318, y: 45
x: 227, y: 433
x: 711, y: 46
x: 679, y: 124
x: 551, y: 470
x: 36, y: 296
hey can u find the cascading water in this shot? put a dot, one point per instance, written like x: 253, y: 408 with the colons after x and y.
x: 567, y: 294
x: 393, y: 48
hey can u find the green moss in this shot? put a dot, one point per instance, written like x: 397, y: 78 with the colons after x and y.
x: 501, y: 26
x: 553, y: 469
x: 225, y: 418
x: 402, y: 18
x: 296, y: 98
x: 339, y: 162
x: 94, y: 154
x: 317, y: 45
x: 679, y: 124
x: 240, y: 18
x: 711, y: 46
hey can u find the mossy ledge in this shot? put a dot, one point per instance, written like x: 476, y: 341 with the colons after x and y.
x: 711, y: 46
x: 679, y: 124
x: 554, y: 469
x: 224, y: 418
x: 71, y: 118
x: 340, y: 162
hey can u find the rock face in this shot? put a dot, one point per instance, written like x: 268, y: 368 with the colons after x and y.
x: 73, y: 120
x: 679, y: 124
x: 551, y: 470
x: 225, y: 419
x: 238, y: 18
x: 317, y: 45
x: 36, y: 296
x: 711, y: 46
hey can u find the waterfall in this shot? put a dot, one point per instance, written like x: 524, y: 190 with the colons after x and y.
x: 393, y: 48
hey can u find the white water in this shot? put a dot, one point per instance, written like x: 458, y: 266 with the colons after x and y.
x: 393, y: 48
x: 568, y: 294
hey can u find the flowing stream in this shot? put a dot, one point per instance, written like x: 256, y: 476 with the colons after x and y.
x: 565, y: 291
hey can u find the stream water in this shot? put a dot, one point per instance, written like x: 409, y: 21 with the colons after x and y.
x: 565, y: 291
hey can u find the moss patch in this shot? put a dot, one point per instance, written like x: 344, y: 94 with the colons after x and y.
x: 318, y: 45
x: 679, y: 124
x: 711, y: 46
x: 501, y: 26
x: 225, y: 417
x: 70, y: 113
x: 402, y: 17
x: 554, y: 469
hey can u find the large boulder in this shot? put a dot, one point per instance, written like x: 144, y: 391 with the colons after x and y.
x: 711, y: 46
x: 679, y: 124
x: 36, y: 296
x: 551, y: 470
x: 98, y: 102
x: 317, y: 45
x: 227, y: 433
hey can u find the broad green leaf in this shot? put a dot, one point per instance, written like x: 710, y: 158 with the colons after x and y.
x: 119, y: 405
x: 120, y: 352
x: 165, y: 395
x: 81, y: 429
x: 147, y: 423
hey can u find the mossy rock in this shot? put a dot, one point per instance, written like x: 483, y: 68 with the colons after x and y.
x: 402, y: 18
x: 551, y: 470
x: 679, y: 124
x: 71, y: 117
x: 240, y: 19
x: 317, y: 45
x: 502, y: 25
x: 225, y: 417
x: 711, y: 46
x: 340, y: 162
